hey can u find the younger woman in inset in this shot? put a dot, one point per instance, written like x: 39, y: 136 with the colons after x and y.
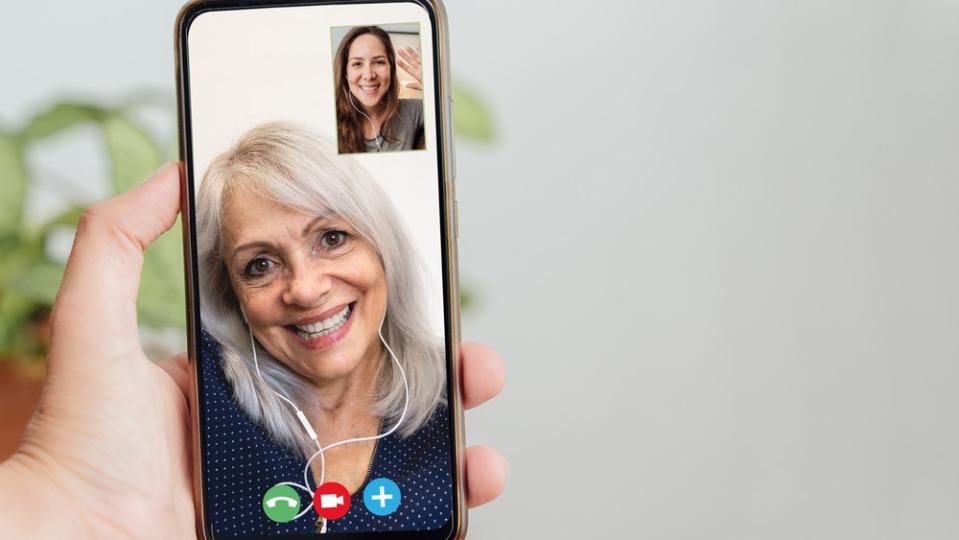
x: 370, y: 115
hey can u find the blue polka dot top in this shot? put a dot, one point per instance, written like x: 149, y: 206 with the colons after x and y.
x: 242, y: 463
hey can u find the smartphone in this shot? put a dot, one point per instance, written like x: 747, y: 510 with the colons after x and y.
x: 320, y: 234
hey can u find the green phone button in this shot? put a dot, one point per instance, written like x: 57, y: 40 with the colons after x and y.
x: 281, y: 503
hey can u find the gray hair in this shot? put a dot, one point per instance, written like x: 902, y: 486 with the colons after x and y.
x: 297, y: 169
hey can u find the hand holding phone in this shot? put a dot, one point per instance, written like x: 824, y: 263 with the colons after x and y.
x: 109, y: 445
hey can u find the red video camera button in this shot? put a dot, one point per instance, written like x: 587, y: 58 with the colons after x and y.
x: 331, y: 500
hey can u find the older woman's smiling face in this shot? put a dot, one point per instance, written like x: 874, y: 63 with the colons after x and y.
x: 313, y: 291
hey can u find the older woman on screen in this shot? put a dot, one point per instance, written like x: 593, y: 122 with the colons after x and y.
x: 370, y: 115
x: 303, y: 263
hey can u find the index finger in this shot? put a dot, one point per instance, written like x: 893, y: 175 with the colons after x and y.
x: 484, y: 374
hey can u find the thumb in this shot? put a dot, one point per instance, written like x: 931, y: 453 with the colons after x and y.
x: 94, y: 315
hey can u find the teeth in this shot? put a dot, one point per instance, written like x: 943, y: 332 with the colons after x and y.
x: 326, y: 326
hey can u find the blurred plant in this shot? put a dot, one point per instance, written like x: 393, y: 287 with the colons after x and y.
x: 30, y: 277
x: 471, y: 119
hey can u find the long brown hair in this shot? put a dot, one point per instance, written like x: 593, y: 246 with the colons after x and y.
x: 349, y: 122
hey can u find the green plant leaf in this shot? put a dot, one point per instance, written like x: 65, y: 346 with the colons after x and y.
x: 133, y: 153
x: 161, y: 302
x: 470, y: 117
x: 40, y: 281
x: 467, y: 298
x: 28, y: 279
x: 69, y: 217
x: 15, y: 311
x: 13, y: 183
x: 16, y: 253
x: 60, y: 117
x: 133, y: 156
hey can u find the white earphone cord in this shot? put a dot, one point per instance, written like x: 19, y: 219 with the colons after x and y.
x: 376, y: 137
x: 309, y: 427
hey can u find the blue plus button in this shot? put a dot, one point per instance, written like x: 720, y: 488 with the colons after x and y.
x: 382, y: 496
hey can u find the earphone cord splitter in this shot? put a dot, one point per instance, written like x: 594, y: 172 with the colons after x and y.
x: 309, y: 427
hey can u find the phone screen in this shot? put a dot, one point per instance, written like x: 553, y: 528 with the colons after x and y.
x: 322, y: 291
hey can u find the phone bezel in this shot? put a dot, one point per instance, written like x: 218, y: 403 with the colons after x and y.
x: 456, y: 528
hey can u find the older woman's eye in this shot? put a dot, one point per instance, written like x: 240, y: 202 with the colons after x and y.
x: 258, y: 267
x: 334, y: 239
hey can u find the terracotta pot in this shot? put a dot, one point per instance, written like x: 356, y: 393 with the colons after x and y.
x: 19, y: 393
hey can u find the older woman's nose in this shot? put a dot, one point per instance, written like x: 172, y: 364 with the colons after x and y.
x: 308, y: 289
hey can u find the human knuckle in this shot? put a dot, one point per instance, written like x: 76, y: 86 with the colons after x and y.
x: 94, y: 216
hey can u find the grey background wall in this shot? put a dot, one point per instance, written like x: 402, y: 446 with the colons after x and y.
x: 717, y: 242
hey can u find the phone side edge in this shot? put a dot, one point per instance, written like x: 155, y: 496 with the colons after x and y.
x: 188, y: 12
x: 441, y: 50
